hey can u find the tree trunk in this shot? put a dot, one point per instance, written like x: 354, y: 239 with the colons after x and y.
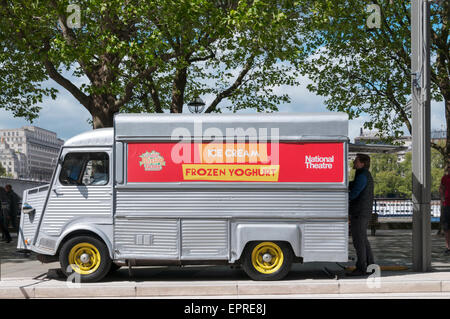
x: 102, y: 111
x: 178, y: 87
x: 102, y: 119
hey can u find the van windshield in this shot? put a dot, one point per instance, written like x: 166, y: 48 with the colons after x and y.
x: 85, y: 169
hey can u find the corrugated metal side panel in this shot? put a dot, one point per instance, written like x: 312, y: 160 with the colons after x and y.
x: 76, y: 202
x: 146, y: 237
x: 226, y: 203
x: 204, y: 238
x: 29, y: 223
x: 325, y: 237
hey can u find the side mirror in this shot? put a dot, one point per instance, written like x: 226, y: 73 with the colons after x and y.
x: 28, y: 209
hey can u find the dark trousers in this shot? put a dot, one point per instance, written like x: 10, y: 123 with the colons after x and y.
x: 4, y: 227
x: 364, y: 254
x: 13, y: 220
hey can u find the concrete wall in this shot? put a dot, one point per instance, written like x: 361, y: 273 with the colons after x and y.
x: 19, y: 185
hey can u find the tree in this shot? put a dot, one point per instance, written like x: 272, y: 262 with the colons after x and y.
x: 393, y: 178
x: 437, y: 170
x: 2, y: 170
x: 365, y: 69
x: 147, y: 55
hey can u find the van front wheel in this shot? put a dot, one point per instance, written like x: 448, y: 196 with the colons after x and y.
x: 86, y: 257
x: 267, y: 260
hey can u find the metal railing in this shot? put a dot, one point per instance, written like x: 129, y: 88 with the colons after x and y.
x: 392, y: 207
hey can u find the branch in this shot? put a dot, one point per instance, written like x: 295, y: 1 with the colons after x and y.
x: 53, y: 72
x: 178, y: 88
x: 154, y: 18
x: 226, y: 93
x: 406, y: 12
x: 400, y: 110
x: 129, y: 87
x: 401, y: 53
x: 438, y: 148
x: 198, y: 59
x: 71, y: 39
x: 390, y: 97
x: 65, y: 83
x: 155, y: 96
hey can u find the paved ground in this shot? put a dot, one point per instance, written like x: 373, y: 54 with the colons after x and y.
x: 27, y: 278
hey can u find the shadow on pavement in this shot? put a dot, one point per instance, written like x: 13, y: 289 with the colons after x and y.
x: 390, y: 248
x: 8, y: 251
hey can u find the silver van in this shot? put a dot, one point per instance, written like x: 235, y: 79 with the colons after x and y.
x: 262, y: 191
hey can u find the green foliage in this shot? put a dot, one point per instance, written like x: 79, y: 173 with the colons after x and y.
x: 437, y: 171
x: 148, y: 56
x: 363, y: 70
x: 2, y: 170
x: 393, y: 178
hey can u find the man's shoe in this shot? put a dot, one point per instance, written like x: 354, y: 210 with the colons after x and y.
x: 8, y: 240
x: 447, y: 252
x: 357, y: 273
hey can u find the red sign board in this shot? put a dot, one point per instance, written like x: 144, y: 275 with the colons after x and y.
x: 235, y: 162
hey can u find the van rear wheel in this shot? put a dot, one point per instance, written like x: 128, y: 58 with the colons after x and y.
x: 87, y: 257
x: 267, y: 260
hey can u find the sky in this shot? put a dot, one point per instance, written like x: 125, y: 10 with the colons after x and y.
x: 67, y: 117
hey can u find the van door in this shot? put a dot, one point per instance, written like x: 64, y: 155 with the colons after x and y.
x: 81, y: 192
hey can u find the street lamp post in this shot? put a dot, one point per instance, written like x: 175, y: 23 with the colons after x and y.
x: 421, y: 153
x: 197, y: 105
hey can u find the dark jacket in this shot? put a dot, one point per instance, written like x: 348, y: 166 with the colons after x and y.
x: 13, y: 200
x: 4, y: 204
x: 362, y: 204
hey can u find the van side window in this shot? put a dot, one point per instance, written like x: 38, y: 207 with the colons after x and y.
x: 85, y: 169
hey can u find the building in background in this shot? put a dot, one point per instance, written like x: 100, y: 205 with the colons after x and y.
x: 370, y: 137
x: 438, y: 136
x: 29, y: 152
x: 15, y: 163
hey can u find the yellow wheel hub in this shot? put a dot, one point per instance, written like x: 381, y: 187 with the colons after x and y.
x: 84, y: 258
x: 267, y: 257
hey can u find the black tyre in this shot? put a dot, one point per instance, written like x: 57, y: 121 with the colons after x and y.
x: 114, y: 268
x: 267, y: 260
x: 87, y: 256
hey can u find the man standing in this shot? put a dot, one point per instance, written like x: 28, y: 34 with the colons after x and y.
x: 14, y: 200
x: 444, y: 191
x: 360, y: 210
x: 4, y: 216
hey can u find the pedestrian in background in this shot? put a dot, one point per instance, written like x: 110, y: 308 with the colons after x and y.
x: 444, y: 191
x: 14, y: 201
x: 360, y: 211
x: 4, y: 215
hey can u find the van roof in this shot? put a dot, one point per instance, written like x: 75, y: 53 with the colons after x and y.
x: 98, y: 137
x: 288, y: 126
